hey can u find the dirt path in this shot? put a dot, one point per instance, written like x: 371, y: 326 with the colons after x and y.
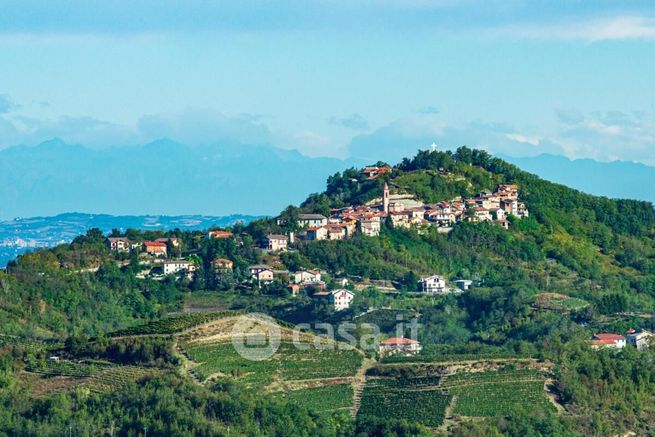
x: 359, y: 382
x: 448, y: 420
x: 552, y: 396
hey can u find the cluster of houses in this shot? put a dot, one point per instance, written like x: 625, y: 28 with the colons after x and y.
x: 339, y: 299
x: 405, y: 212
x: 158, y: 247
x: 638, y: 338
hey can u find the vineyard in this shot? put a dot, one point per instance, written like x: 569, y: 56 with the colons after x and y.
x: 498, y: 393
x: 288, y: 364
x: 96, y: 376
x: 415, y: 399
x: 113, y: 377
x: 173, y: 324
x: 474, y: 392
x: 323, y: 399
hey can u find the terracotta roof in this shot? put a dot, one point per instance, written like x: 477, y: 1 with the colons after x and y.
x: 398, y: 341
x: 612, y: 337
x: 154, y: 244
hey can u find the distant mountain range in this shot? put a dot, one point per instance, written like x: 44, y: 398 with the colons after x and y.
x: 162, y: 177
x: 20, y: 235
x: 618, y: 179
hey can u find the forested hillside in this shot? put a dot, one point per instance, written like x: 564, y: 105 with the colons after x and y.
x: 541, y: 288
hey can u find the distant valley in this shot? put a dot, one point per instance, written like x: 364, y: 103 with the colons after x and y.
x: 20, y: 235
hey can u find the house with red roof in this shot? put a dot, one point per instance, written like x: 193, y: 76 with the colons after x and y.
x: 614, y: 341
x: 399, y: 345
x: 156, y: 248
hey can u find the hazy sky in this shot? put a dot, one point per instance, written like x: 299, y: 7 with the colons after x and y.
x: 333, y: 78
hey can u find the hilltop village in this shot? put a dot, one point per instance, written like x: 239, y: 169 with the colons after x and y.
x: 162, y: 257
x: 403, y: 211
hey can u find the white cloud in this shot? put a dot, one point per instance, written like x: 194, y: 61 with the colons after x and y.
x: 591, y: 30
x: 606, y: 136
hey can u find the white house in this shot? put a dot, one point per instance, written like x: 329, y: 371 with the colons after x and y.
x: 432, y: 284
x: 176, y: 266
x: 340, y: 299
x: 613, y: 341
x: 311, y: 220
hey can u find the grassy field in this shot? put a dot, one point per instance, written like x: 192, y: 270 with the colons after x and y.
x: 559, y: 302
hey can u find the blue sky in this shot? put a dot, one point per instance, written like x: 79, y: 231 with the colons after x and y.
x: 334, y: 78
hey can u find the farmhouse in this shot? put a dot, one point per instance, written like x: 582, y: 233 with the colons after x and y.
x: 311, y: 220
x: 119, y: 244
x: 432, y: 284
x: 275, y: 242
x: 155, y: 248
x: 399, y: 345
x: 613, y: 341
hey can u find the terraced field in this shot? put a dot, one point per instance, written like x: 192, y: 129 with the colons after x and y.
x: 415, y: 399
x: 96, y: 376
x: 323, y: 399
x: 497, y: 393
x: 469, y: 390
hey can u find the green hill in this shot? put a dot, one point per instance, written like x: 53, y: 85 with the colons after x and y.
x: 577, y: 265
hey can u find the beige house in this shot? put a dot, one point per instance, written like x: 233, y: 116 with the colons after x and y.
x: 307, y: 277
x: 317, y: 233
x: 370, y: 227
x: 276, y: 242
x: 223, y: 264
